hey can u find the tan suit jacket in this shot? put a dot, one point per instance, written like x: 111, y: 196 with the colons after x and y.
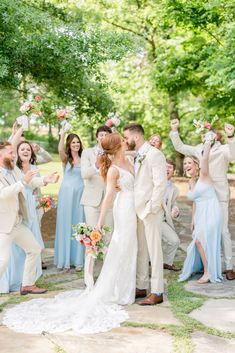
x: 150, y: 182
x: 219, y: 159
x: 171, y: 202
x: 94, y: 186
x: 10, y: 196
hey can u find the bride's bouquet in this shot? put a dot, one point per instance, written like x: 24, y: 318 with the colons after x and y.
x: 91, y: 238
x: 45, y: 202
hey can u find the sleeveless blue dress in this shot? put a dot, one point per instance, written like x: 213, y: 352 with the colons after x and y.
x: 11, y: 280
x: 207, y: 229
x: 69, y: 211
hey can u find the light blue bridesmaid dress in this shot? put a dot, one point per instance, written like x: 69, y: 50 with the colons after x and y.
x: 69, y: 211
x: 207, y: 229
x: 11, y: 280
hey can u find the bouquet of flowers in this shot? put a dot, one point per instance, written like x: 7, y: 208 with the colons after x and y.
x: 91, y: 238
x: 63, y: 116
x: 45, y: 202
x: 202, y: 127
x: 29, y: 109
x: 113, y: 120
x: 32, y: 107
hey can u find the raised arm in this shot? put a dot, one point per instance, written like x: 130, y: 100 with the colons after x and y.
x: 42, y: 155
x: 112, y: 177
x: 179, y: 146
x: 229, y: 130
x: 15, y: 139
x: 61, y: 148
x: 204, y: 171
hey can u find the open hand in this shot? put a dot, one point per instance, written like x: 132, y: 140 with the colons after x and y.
x: 51, y: 178
x: 29, y: 175
x: 36, y: 147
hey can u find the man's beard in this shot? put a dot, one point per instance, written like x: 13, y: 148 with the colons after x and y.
x: 131, y: 145
x: 8, y: 163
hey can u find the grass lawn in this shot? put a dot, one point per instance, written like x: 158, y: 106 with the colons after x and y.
x: 47, y: 168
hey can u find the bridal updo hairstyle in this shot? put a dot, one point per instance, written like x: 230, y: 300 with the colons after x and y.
x: 110, y: 144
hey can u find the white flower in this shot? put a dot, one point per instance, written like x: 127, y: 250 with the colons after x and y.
x: 26, y: 107
x: 116, y: 121
x: 141, y: 159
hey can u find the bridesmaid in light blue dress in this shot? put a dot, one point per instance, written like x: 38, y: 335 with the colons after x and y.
x: 12, y: 278
x: 204, y: 251
x: 69, y: 252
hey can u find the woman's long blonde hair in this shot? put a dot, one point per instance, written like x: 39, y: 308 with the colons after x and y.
x: 110, y: 144
x: 195, y: 160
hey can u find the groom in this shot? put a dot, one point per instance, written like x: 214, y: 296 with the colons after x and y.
x: 150, y: 186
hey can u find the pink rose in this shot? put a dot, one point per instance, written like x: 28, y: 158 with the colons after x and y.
x: 37, y: 98
x: 207, y: 126
x: 109, y: 123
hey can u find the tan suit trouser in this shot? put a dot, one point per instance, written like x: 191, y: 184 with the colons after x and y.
x: 170, y: 243
x: 150, y: 248
x: 226, y: 237
x: 24, y: 238
x: 92, y: 216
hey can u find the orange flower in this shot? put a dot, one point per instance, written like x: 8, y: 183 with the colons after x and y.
x: 95, y: 236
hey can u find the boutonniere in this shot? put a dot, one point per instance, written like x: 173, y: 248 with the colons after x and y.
x: 141, y: 159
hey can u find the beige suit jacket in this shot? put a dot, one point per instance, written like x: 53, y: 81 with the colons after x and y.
x: 171, y: 202
x: 10, y: 196
x: 219, y: 159
x: 94, y: 186
x: 150, y: 182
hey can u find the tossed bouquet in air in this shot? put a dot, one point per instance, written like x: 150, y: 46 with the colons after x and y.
x: 91, y: 238
x: 202, y: 126
x: 45, y: 202
x: 29, y: 109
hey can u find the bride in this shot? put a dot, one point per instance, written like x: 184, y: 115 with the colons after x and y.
x: 97, y: 310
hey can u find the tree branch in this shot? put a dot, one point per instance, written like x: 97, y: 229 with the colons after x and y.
x: 212, y: 35
x: 128, y: 30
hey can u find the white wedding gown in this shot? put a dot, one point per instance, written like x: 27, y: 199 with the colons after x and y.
x: 98, y: 310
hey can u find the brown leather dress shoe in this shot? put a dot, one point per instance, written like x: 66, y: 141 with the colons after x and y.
x: 230, y: 275
x: 32, y: 290
x: 140, y: 293
x: 152, y: 299
x: 171, y: 267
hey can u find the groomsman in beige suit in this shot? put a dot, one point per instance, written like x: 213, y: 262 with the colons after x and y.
x: 219, y: 159
x: 170, y: 239
x: 150, y: 185
x: 94, y: 187
x: 12, y: 211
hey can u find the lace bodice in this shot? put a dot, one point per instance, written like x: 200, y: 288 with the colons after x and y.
x: 97, y: 310
x: 126, y: 179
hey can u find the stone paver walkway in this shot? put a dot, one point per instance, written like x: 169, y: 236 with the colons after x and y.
x: 166, y: 328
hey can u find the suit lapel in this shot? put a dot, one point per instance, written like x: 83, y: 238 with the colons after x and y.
x: 139, y: 163
x: 4, y: 179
